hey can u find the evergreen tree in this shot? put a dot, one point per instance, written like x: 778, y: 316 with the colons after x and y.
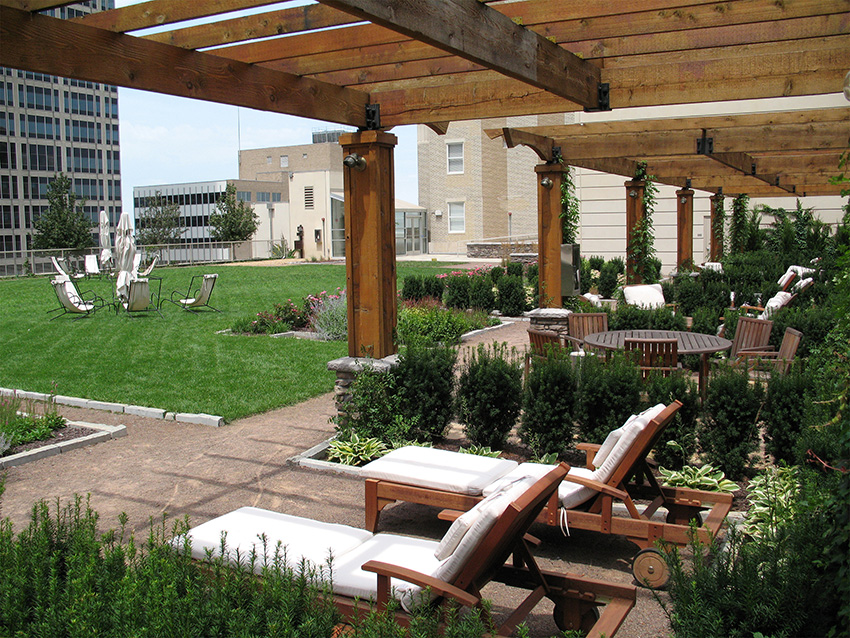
x: 159, y: 222
x: 64, y: 224
x: 233, y: 220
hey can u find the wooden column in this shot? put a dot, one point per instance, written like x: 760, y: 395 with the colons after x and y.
x: 370, y: 244
x: 685, y: 227
x: 634, y: 214
x: 716, y: 246
x: 549, y: 178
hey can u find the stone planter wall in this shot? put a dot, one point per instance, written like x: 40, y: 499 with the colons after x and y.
x: 346, y: 369
x: 550, y: 319
x: 498, y: 250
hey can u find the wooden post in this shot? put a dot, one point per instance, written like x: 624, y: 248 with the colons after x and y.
x: 549, y: 179
x: 685, y: 227
x: 717, y: 228
x: 634, y: 215
x: 370, y: 243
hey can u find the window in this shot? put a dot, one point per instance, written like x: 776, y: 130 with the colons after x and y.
x: 457, y: 217
x: 454, y: 153
x: 263, y: 196
x: 276, y: 197
x: 243, y: 196
x: 269, y: 160
x: 308, y: 197
x: 284, y: 161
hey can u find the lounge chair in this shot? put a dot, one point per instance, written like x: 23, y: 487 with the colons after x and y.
x: 781, y: 299
x: 147, y: 271
x: 581, y: 324
x: 474, y: 551
x: 92, y: 269
x: 72, y: 301
x: 767, y: 357
x: 62, y: 269
x: 139, y: 298
x: 659, y: 356
x: 585, y: 499
x: 195, y: 298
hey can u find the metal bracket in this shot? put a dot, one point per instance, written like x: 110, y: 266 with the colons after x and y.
x: 705, y: 145
x: 603, y: 98
x: 556, y: 155
x: 373, y: 117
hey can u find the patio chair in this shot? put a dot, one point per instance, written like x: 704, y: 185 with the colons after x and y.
x: 378, y: 567
x: 71, y: 301
x: 147, y: 271
x: 659, y: 356
x: 196, y: 298
x: 62, y: 270
x: 92, y: 269
x: 750, y: 334
x: 139, y: 298
x: 767, y: 357
x: 539, y: 342
x: 648, y: 296
x: 585, y: 500
x: 581, y: 324
x: 781, y: 299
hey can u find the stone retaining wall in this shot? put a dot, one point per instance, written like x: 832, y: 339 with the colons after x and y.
x: 498, y: 250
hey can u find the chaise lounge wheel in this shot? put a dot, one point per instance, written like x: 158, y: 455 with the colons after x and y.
x: 650, y: 569
x: 570, y: 614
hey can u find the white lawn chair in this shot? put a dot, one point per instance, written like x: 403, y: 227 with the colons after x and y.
x: 139, y: 298
x: 196, y: 298
x: 71, y: 301
x: 92, y: 269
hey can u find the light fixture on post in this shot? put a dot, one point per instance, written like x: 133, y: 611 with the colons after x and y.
x: 355, y: 161
x: 546, y: 183
x: 633, y: 193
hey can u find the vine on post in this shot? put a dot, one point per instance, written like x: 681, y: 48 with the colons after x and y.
x: 718, y: 227
x: 642, y: 252
x: 570, y: 208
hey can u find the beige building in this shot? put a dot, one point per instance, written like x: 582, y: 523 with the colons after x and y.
x: 475, y: 189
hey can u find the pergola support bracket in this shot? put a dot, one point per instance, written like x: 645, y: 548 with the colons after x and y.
x: 603, y: 98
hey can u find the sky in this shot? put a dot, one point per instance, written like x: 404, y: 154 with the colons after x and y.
x: 166, y: 139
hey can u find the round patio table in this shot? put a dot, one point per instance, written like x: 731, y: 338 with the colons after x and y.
x: 687, y: 343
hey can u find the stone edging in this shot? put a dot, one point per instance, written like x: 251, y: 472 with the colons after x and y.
x: 120, y: 408
x: 105, y: 433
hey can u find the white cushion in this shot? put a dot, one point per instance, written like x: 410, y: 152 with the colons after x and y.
x: 438, y: 469
x: 615, y: 456
x: 451, y: 539
x: 713, y: 265
x: 572, y: 494
x: 802, y: 271
x: 303, y: 538
x: 644, y: 296
x: 802, y: 283
x: 776, y: 302
x: 610, y: 441
x: 533, y: 470
x: 784, y: 279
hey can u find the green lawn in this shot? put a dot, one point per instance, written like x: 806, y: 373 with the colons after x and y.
x: 176, y: 362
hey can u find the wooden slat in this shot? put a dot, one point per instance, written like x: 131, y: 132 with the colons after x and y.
x: 33, y: 5
x: 156, y: 13
x: 272, y: 23
x: 478, y: 33
x: 60, y: 47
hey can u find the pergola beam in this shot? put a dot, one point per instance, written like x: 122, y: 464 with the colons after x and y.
x: 479, y: 33
x: 59, y: 47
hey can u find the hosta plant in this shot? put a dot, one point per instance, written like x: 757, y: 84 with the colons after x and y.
x: 772, y: 495
x: 355, y: 450
x: 707, y: 478
x: 479, y: 450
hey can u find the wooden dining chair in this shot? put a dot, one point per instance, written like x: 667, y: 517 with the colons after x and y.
x: 654, y: 355
x: 750, y: 334
x: 581, y: 324
x: 539, y: 342
x: 771, y: 359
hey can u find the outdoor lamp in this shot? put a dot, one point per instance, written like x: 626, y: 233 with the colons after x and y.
x: 355, y: 161
x: 546, y: 182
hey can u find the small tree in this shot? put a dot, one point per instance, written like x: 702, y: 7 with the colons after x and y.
x: 233, y: 220
x: 159, y: 222
x: 64, y: 225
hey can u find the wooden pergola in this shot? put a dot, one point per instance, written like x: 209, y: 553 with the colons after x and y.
x: 376, y: 64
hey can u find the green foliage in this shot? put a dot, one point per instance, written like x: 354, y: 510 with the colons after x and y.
x: 61, y: 577
x: 718, y: 224
x: 372, y: 407
x: 426, y: 621
x: 480, y: 450
x: 159, y: 222
x: 587, y: 277
x: 814, y: 322
x: 352, y: 449
x: 496, y: 272
x: 683, y: 428
x: 608, y: 279
x: 628, y: 317
x: 785, y: 411
x: 772, y: 495
x: 65, y: 223
x: 596, y: 262
x: 730, y: 424
x: 514, y: 269
x: 291, y: 314
x: 549, y: 404
x: 706, y: 478
x: 424, y: 381
x: 433, y: 286
x: 429, y: 324
x: 261, y: 323
x: 489, y: 395
x: 608, y: 394
x: 642, y: 240
x: 532, y: 274
x: 22, y: 423
x: 457, y: 291
x: 413, y: 289
x: 570, y: 208
x: 329, y: 315
x: 233, y: 220
x: 511, y: 298
x: 739, y: 225
x: 481, y: 295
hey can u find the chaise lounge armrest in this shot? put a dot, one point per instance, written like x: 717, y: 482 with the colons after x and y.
x: 752, y: 308
x: 598, y: 486
x: 575, y: 340
x: 385, y: 571
x: 590, y: 450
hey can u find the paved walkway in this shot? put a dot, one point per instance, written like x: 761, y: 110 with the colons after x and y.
x: 202, y: 472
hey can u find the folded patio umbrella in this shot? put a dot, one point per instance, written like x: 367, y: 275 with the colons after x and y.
x: 125, y: 251
x: 105, y: 247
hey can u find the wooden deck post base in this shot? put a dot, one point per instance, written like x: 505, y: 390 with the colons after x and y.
x: 549, y: 179
x: 634, y: 214
x: 370, y: 243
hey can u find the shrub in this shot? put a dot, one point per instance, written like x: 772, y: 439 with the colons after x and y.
x: 549, y: 404
x: 511, y: 299
x: 261, y: 323
x: 496, y: 273
x: 587, y: 278
x: 532, y: 274
x: 608, y: 280
x: 706, y: 320
x: 412, y: 289
x: 352, y: 449
x: 683, y: 428
x: 433, y: 286
x: 457, y: 291
x: 514, y: 269
x: 699, y: 478
x: 429, y: 324
x: 785, y: 412
x: 596, y: 262
x: 424, y: 381
x: 608, y: 394
x: 489, y: 395
x: 329, y: 315
x: 372, y: 408
x: 291, y: 314
x: 631, y: 318
x: 814, y: 323
x: 729, y: 432
x: 481, y: 295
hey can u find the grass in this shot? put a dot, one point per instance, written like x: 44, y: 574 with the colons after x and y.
x: 177, y: 362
